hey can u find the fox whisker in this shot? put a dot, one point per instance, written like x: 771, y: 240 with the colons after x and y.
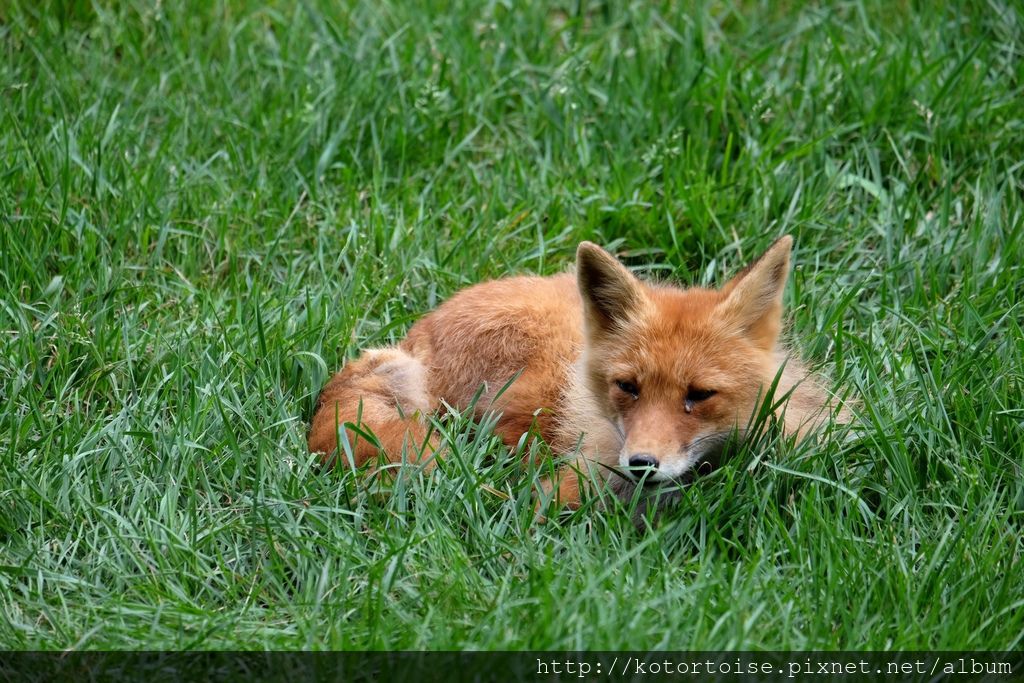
x: 618, y: 430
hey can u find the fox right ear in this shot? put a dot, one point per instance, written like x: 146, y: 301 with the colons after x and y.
x: 611, y: 294
x: 753, y: 299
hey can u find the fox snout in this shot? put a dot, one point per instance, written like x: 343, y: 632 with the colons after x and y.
x: 662, y: 441
x: 650, y: 467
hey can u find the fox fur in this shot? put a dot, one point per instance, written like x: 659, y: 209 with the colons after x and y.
x: 646, y: 380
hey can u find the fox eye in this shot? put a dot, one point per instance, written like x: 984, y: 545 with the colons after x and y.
x: 628, y: 388
x: 697, y: 395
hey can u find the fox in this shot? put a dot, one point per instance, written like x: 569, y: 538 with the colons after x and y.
x: 636, y: 382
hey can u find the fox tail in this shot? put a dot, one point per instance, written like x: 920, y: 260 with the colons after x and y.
x: 384, y: 395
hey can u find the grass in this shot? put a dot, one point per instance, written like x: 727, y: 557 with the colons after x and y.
x: 207, y: 207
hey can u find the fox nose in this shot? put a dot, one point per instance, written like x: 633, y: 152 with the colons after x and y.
x: 643, y: 461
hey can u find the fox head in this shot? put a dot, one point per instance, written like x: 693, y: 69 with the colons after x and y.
x: 678, y: 370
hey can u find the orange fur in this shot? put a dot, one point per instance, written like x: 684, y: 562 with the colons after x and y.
x: 576, y: 342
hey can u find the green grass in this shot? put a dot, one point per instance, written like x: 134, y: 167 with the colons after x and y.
x: 205, y: 210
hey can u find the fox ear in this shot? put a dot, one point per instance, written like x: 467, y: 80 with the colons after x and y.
x: 611, y: 294
x: 753, y: 298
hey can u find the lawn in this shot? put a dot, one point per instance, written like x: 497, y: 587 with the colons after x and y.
x: 205, y: 208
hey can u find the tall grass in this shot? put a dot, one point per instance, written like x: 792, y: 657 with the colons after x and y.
x: 205, y: 208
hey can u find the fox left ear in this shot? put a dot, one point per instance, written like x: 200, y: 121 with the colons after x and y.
x: 753, y: 298
x: 611, y: 294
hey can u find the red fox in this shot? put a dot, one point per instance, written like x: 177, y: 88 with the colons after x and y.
x: 646, y: 380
